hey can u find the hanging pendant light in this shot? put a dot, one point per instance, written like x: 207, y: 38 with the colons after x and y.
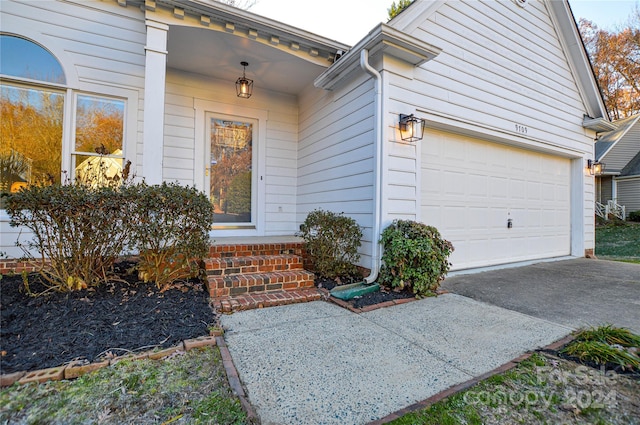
x: 244, y: 86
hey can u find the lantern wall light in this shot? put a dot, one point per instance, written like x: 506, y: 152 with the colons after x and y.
x: 244, y: 86
x: 595, y: 168
x: 411, y: 128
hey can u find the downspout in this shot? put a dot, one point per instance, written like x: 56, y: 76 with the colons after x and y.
x: 377, y: 192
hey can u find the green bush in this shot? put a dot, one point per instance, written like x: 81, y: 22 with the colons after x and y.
x: 171, y: 231
x: 332, y: 241
x: 605, y: 345
x: 634, y: 216
x: 80, y: 229
x: 414, y: 256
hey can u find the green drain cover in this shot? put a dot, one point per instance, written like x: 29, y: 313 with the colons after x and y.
x: 348, y: 292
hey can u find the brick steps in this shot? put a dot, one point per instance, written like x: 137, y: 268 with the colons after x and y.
x: 238, y: 284
x: 252, y: 264
x: 244, y: 270
x: 268, y: 299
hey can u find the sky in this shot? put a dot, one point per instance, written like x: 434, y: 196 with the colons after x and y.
x: 348, y: 21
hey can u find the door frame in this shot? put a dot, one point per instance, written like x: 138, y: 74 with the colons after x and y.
x: 202, y: 109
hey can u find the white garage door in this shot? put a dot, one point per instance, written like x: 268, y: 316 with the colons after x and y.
x: 471, y: 189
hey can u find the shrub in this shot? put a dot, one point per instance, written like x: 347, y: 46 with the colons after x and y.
x: 605, y: 345
x: 332, y: 241
x: 171, y: 231
x: 634, y: 216
x: 415, y: 256
x: 80, y: 229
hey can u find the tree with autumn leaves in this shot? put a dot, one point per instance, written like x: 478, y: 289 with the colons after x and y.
x: 615, y: 57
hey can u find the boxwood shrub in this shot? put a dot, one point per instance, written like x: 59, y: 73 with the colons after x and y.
x: 415, y: 256
x: 332, y: 242
x: 82, y: 229
x: 170, y: 231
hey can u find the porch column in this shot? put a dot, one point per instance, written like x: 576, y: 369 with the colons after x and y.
x: 154, y: 90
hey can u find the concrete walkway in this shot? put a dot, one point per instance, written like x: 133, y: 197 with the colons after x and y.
x: 316, y: 363
x: 575, y: 293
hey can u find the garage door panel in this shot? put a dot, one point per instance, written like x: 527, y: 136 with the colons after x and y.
x: 454, y: 183
x: 517, y: 189
x: 471, y: 191
x: 478, y: 185
x: 498, y: 187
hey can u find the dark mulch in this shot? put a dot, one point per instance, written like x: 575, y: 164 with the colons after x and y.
x: 367, y: 299
x: 112, y: 319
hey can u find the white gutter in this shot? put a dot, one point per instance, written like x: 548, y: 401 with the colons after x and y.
x: 377, y: 191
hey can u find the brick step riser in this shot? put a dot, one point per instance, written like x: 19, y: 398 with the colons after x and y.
x: 245, y: 265
x: 220, y: 286
x: 230, y: 251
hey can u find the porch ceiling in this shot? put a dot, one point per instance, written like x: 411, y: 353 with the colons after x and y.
x: 218, y: 55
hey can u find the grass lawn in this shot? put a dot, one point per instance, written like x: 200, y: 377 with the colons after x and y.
x: 618, y: 241
x: 188, y: 388
x: 541, y: 390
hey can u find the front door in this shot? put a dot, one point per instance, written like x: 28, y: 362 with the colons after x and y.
x: 230, y: 177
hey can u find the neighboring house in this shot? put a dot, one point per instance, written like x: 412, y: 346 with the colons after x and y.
x: 619, y: 151
x: 509, y: 102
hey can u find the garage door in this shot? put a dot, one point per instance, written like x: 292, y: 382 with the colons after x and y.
x: 496, y: 203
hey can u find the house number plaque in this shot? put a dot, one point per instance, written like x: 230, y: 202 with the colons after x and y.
x: 521, y: 129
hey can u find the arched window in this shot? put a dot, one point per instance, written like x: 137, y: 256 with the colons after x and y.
x: 26, y: 59
x: 33, y: 94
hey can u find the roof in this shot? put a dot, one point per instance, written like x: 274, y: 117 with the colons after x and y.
x: 632, y: 168
x: 607, y: 140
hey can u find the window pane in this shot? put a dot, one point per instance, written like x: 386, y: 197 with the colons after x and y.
x: 99, y: 125
x: 231, y: 162
x: 31, y: 134
x: 23, y: 58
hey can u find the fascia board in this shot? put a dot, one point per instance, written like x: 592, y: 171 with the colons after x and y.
x: 579, y: 62
x: 599, y: 125
x: 383, y: 38
x: 224, y: 12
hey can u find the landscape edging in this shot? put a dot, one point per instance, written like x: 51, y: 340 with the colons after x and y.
x: 74, y: 370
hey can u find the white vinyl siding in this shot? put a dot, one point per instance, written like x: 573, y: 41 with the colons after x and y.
x: 501, y: 66
x: 471, y: 189
x: 179, y: 159
x: 336, y: 155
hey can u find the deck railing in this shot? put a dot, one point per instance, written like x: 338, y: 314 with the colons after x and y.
x: 611, y: 208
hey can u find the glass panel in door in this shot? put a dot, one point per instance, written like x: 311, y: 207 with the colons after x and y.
x: 230, y: 172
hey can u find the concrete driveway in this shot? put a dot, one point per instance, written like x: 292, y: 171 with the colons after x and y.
x: 574, y: 293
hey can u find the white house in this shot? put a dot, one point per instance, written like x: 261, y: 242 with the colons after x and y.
x: 509, y: 102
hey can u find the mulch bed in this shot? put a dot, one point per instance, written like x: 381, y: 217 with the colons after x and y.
x: 365, y: 300
x: 113, y: 319
x: 120, y: 317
